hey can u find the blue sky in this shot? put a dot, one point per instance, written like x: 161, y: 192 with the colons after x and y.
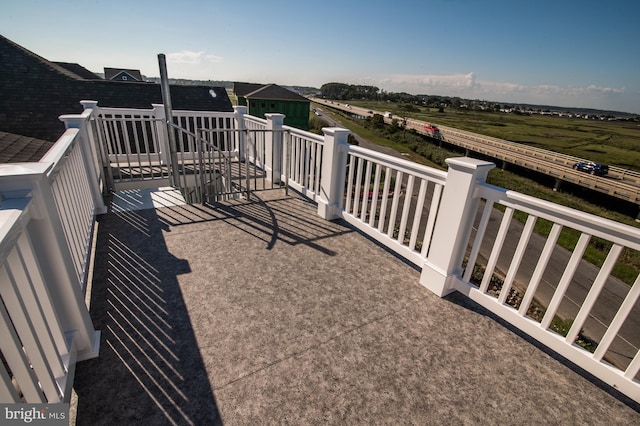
x: 563, y: 52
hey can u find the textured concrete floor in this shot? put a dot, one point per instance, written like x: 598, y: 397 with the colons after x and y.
x: 262, y: 313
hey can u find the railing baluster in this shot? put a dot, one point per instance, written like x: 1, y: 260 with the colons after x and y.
x: 17, y: 325
x: 633, y: 369
x: 358, y: 185
x: 394, y: 204
x: 477, y: 242
x: 61, y: 198
x: 127, y: 144
x: 306, y: 182
x: 517, y: 258
x: 405, y: 209
x: 374, y: 195
x: 541, y: 266
x: 594, y: 292
x: 497, y: 248
x: 25, y: 319
x: 617, y: 322
x: 365, y: 192
x: 417, y: 215
x: 567, y: 276
x: 313, y: 169
x: 350, y: 183
x: 433, y: 212
x: 297, y: 169
x: 385, y: 199
x: 8, y: 392
x: 13, y: 352
x: 136, y: 141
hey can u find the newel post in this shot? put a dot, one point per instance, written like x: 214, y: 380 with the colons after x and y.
x: 273, y: 147
x: 453, y: 224
x: 80, y: 122
x: 240, y: 111
x: 333, y: 172
x: 99, y: 146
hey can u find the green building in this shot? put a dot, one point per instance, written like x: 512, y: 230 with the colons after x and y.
x: 266, y: 98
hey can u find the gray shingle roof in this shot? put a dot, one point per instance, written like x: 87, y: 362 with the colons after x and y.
x: 266, y: 91
x: 18, y: 149
x: 79, y: 70
x: 242, y: 89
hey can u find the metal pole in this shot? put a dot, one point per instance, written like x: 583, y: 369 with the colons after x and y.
x: 168, y: 113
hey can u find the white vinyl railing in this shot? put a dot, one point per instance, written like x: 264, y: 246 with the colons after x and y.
x: 47, y: 215
x: 393, y: 200
x: 303, y: 161
x: 219, y: 127
x: 597, y: 301
x: 443, y: 222
x: 136, y: 147
x: 73, y: 201
x: 35, y: 347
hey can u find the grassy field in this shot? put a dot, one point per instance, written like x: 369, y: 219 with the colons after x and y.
x: 610, y: 142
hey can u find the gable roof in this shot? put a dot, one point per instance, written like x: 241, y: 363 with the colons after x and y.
x: 275, y: 92
x: 79, y: 70
x: 116, y: 73
x: 243, y: 89
x: 21, y: 149
x: 35, y: 92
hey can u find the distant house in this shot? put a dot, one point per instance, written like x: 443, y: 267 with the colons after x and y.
x: 119, y: 74
x: 261, y: 99
x: 35, y: 92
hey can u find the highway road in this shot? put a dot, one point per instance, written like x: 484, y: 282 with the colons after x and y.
x: 620, y: 183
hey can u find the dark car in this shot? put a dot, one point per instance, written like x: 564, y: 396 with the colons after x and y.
x: 592, y: 168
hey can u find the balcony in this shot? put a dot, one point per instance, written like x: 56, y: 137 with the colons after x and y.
x: 294, y: 278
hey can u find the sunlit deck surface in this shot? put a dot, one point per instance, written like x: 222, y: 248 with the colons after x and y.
x: 261, y: 312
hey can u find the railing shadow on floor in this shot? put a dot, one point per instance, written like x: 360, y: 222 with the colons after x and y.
x: 463, y: 301
x: 290, y: 220
x: 150, y: 369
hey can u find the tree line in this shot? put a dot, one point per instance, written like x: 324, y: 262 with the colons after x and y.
x: 345, y: 92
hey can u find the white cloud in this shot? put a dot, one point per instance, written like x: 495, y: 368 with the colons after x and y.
x: 469, y: 86
x: 433, y: 82
x: 213, y: 58
x: 596, y: 89
x: 191, y: 57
